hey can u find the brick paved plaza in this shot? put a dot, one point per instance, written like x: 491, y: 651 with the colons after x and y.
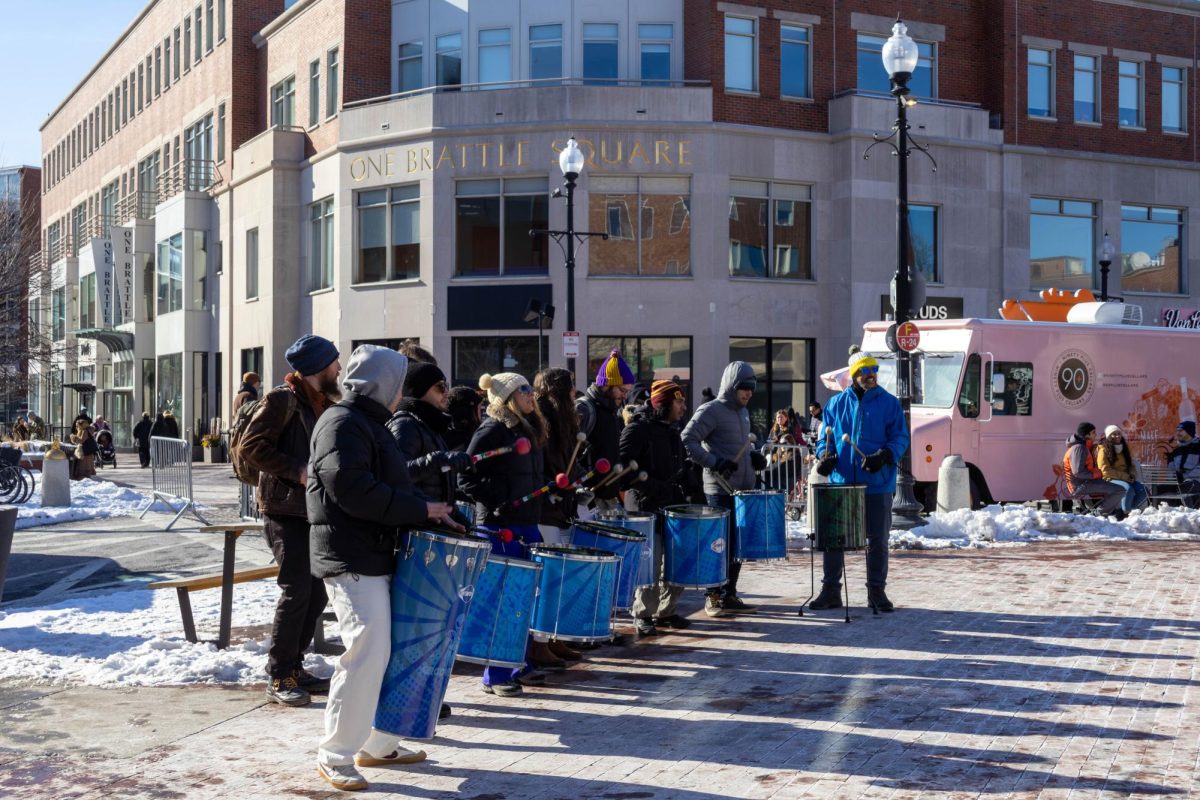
x: 1054, y: 670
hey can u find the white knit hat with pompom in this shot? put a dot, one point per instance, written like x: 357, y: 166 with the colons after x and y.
x: 501, y: 385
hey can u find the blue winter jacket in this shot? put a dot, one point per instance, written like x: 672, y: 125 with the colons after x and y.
x: 874, y: 422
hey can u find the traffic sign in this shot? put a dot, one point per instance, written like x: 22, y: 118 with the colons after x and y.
x: 570, y: 344
x: 908, y: 338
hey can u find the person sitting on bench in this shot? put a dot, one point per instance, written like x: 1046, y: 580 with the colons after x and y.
x: 1084, y: 479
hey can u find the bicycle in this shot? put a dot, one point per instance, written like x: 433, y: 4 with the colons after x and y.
x: 16, y: 480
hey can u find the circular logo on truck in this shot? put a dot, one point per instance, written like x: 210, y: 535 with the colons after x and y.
x: 1074, y: 378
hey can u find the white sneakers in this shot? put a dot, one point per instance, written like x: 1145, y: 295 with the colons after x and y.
x: 342, y: 776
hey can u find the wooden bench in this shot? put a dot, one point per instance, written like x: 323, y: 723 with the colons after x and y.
x: 1161, y: 482
x: 184, y: 586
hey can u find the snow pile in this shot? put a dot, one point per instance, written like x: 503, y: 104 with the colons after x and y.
x: 135, y: 638
x: 90, y: 499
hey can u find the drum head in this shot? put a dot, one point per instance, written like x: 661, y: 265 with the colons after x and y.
x: 695, y: 512
x: 611, y: 531
x: 571, y: 553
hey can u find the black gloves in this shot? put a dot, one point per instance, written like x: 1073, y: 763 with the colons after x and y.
x: 758, y: 461
x: 725, y: 467
x: 877, y: 460
x: 444, y: 458
x: 827, y: 464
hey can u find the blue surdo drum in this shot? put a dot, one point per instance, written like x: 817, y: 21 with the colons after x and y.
x: 627, y: 545
x: 647, y: 525
x: 497, y: 624
x: 575, y: 593
x: 695, y: 539
x: 761, y: 526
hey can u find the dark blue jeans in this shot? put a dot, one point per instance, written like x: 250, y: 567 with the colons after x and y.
x: 879, y: 525
x: 734, y: 567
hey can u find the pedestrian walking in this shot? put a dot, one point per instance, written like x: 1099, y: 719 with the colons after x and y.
x: 248, y: 392
x: 141, y: 435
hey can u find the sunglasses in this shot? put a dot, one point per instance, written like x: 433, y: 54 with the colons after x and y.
x: 441, y: 387
x: 868, y: 370
x: 525, y: 389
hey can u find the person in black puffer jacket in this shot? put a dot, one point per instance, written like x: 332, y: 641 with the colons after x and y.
x: 358, y: 498
x: 418, y: 427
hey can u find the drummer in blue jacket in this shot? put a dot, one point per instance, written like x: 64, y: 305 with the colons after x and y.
x: 874, y: 421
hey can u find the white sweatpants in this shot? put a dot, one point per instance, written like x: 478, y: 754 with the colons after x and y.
x: 363, y: 606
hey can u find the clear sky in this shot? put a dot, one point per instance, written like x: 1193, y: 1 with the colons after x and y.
x: 46, y: 47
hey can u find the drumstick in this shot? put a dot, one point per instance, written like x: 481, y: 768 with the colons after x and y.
x: 726, y: 485
x: 602, y: 468
x: 846, y: 439
x: 521, y: 446
x: 536, y: 493
x: 738, y: 458
x: 632, y: 465
x: 580, y: 438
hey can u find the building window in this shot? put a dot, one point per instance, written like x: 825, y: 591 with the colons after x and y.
x: 1174, y: 99
x: 200, y: 269
x: 1129, y: 94
x: 770, y: 230
x: 784, y: 369
x: 873, y: 78
x: 170, y: 384
x: 198, y: 141
x: 252, y: 361
x: 58, y: 313
x: 475, y: 355
x: 449, y: 60
x: 283, y: 102
x: 252, y: 264
x: 124, y: 101
x: 320, y: 250
x: 649, y: 226
x: 494, y: 218
x: 655, y: 41
x: 412, y: 71
x: 545, y: 52
x: 199, y: 33
x: 221, y: 20
x: 208, y: 26
x: 187, y: 43
x: 1062, y: 243
x: 495, y: 57
x: 1040, y: 89
x: 794, y: 64
x: 141, y: 81
x: 1151, y: 249
x: 389, y: 234
x: 741, y: 54
x: 177, y: 54
x: 220, y: 133
x: 87, y: 301
x: 1087, y: 88
x: 652, y: 358
x: 169, y: 274
x: 158, y: 62
x: 314, y: 93
x: 600, y: 53
x: 923, y: 240
x: 332, y: 83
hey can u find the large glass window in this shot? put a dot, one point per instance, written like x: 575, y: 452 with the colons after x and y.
x: 411, y: 71
x: 1062, y: 243
x: 283, y: 102
x: 873, y: 77
x: 1174, y: 99
x: 545, y: 52
x: 600, y: 53
x: 58, y: 313
x: 87, y: 301
x: 169, y: 274
x: 770, y: 230
x: 655, y: 42
x: 389, y: 249
x: 652, y: 358
x: 314, y: 93
x: 200, y: 267
x: 252, y: 361
x: 320, y: 244
x: 170, y: 384
x: 1087, y: 88
x: 1129, y: 93
x: 1040, y: 89
x: 1151, y: 249
x: 198, y: 142
x: 252, y: 263
x: 494, y: 218
x: 649, y: 226
x: 475, y: 355
x: 784, y: 368
x: 1017, y: 398
x: 449, y: 60
x: 741, y: 51
x: 332, y: 82
x: 495, y: 57
x: 923, y: 240
x: 794, y: 61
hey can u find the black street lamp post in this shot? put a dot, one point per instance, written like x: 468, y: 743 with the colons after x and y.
x: 1107, y: 251
x: 571, y: 161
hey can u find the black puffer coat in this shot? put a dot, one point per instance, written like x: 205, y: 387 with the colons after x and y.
x: 496, y: 482
x: 417, y: 428
x: 658, y: 451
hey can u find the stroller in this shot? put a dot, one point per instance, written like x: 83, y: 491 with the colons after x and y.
x: 107, y: 453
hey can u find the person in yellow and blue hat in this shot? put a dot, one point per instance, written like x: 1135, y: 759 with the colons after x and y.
x: 599, y: 408
x: 874, y: 421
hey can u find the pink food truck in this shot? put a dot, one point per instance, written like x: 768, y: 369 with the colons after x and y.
x: 1005, y: 395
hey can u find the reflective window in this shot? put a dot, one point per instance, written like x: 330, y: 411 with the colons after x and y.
x: 655, y: 42
x: 169, y: 273
x: 58, y: 313
x: 199, y: 267
x: 648, y: 221
x: 495, y: 57
x: 251, y: 264
x: 170, y: 384
x: 794, y: 61
x: 545, y: 52
x: 1173, y: 99
x: 1016, y: 400
x: 969, y: 397
x: 475, y: 355
x: 741, y: 51
x: 769, y: 230
x: 1040, y: 84
x: 412, y: 73
x: 283, y: 102
x: 449, y: 60
x: 784, y: 368
x: 1151, y: 256
x: 1062, y: 243
x: 872, y: 76
x: 1129, y: 92
x: 493, y: 221
x: 923, y: 240
x: 389, y: 234
x: 1087, y: 88
x: 314, y: 93
x: 600, y: 53
x: 652, y: 358
x: 320, y: 244
x: 332, y: 82
x: 87, y: 301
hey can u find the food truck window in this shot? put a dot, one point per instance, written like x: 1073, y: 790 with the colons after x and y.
x: 968, y: 398
x: 1017, y: 398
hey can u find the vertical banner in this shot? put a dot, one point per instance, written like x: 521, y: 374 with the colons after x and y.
x: 122, y: 241
x: 102, y: 254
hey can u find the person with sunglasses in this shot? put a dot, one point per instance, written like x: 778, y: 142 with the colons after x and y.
x: 495, y: 483
x: 874, y: 421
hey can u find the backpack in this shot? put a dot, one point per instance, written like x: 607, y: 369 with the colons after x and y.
x: 243, y: 470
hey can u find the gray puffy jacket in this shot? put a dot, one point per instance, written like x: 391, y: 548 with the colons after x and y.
x: 719, y: 428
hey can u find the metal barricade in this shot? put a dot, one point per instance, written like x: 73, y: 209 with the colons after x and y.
x: 248, y: 502
x: 787, y: 471
x: 171, y: 471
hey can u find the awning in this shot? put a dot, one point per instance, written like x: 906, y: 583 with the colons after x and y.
x: 82, y: 388
x: 114, y: 340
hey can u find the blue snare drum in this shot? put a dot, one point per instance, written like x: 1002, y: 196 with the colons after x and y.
x: 695, y: 539
x: 497, y: 625
x: 626, y: 544
x: 761, y: 529
x: 431, y: 590
x: 647, y: 525
x: 575, y: 594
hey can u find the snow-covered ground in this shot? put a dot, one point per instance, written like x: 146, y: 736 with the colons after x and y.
x: 90, y: 499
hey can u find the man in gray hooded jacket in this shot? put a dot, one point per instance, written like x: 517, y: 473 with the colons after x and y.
x: 716, y: 438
